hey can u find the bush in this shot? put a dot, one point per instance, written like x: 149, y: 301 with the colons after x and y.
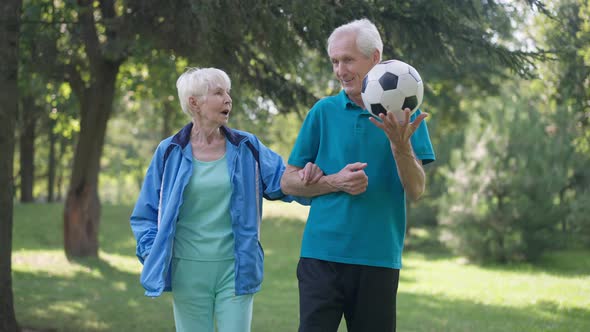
x: 504, y: 199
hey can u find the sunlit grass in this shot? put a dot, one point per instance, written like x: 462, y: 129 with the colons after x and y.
x: 517, y: 287
x: 535, y: 298
x: 286, y: 210
x: 437, y: 292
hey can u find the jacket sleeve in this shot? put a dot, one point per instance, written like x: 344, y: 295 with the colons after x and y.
x: 144, y: 218
x: 272, y: 168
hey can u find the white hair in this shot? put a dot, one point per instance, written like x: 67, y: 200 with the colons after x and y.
x: 368, y: 38
x: 195, y: 82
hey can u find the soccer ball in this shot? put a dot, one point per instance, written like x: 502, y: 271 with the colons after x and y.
x: 392, y: 86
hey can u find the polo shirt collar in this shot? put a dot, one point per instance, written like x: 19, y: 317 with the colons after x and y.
x: 349, y: 104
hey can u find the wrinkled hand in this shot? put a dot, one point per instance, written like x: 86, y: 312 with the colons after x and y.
x: 351, y: 179
x: 399, y: 132
x: 310, y: 174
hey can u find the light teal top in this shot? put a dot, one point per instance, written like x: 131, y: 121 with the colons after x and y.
x: 204, y: 230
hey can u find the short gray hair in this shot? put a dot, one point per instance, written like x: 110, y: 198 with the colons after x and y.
x: 368, y: 38
x: 195, y: 82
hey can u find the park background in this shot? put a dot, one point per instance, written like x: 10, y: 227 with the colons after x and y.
x: 499, y: 242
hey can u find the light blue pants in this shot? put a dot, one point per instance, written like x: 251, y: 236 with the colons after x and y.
x: 204, y: 297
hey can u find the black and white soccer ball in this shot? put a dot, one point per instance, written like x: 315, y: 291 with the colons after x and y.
x: 392, y: 86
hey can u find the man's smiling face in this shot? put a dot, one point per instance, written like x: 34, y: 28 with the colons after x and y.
x: 349, y: 64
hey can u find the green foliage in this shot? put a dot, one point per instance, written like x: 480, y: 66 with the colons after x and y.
x: 517, y: 185
x: 146, y: 111
x: 424, y: 212
x: 506, y: 185
x: 578, y: 220
x: 283, y: 133
x: 265, y: 44
x: 273, y: 50
x: 567, y: 35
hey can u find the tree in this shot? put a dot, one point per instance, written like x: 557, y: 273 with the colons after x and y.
x: 567, y: 82
x: 101, y: 63
x: 27, y: 133
x: 147, y: 111
x: 9, y: 39
x: 263, y: 45
x: 505, y: 195
x: 60, y: 127
x: 42, y: 95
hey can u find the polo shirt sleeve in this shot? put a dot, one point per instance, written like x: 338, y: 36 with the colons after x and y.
x: 421, y: 142
x: 308, y: 140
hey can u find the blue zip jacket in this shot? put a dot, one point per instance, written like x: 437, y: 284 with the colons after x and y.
x: 255, y: 171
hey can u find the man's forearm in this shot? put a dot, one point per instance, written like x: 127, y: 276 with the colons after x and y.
x: 291, y: 184
x: 410, y: 172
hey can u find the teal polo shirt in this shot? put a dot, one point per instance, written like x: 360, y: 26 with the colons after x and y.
x: 366, y: 229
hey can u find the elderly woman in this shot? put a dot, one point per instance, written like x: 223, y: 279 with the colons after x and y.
x: 197, y: 218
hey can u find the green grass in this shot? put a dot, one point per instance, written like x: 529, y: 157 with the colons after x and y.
x: 437, y: 292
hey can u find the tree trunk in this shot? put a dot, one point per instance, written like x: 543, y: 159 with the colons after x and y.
x: 9, y: 35
x: 27, y: 149
x: 52, y: 162
x: 82, y: 207
x: 63, y: 143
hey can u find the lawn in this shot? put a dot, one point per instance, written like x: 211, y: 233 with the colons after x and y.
x: 437, y: 292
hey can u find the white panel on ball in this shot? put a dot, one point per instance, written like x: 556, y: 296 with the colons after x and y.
x: 376, y: 72
x: 397, y: 67
x: 374, y: 92
x: 407, y: 84
x: 393, y: 100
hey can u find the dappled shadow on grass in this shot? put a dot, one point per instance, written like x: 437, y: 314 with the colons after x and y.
x: 559, y: 269
x: 81, y: 294
x: 105, y: 269
x: 421, y: 312
x: 563, y: 263
x: 40, y: 227
x: 566, y: 263
x: 97, y: 296
x: 104, y: 294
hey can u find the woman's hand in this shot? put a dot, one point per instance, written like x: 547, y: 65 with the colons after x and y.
x: 311, y: 173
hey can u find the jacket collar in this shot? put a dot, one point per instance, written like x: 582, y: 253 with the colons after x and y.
x: 182, y: 138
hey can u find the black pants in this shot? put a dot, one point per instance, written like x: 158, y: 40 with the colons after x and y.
x: 365, y: 295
